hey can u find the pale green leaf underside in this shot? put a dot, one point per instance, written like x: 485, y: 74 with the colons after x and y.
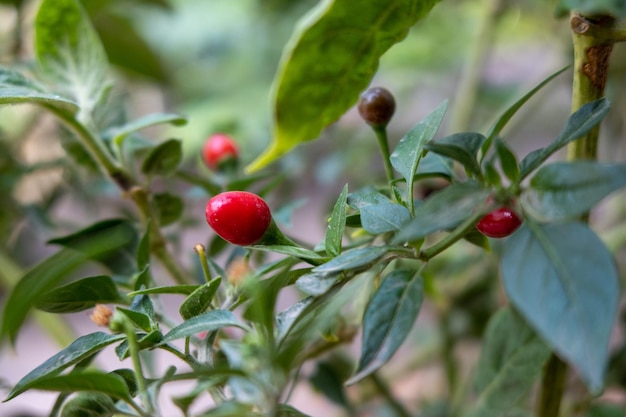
x: 331, y: 58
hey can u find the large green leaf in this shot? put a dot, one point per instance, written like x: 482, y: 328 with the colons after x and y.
x: 408, y: 153
x: 389, y: 317
x: 70, y: 53
x: 200, y: 300
x: 90, y: 380
x: 80, y: 295
x: 443, y: 210
x: 578, y: 124
x: 381, y: 218
x: 331, y: 58
x: 80, y: 349
x: 118, y: 134
x: 569, y: 189
x: 98, y: 242
x: 564, y: 281
x: 462, y: 147
x: 353, y: 259
x: 164, y: 158
x: 17, y: 89
x: 512, y: 358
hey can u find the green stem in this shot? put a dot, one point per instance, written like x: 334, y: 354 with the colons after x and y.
x: 467, y: 90
x: 383, y: 144
x: 450, y: 363
x: 133, y: 349
x: 205, y: 265
x: 453, y: 237
x: 383, y: 389
x: 552, y: 387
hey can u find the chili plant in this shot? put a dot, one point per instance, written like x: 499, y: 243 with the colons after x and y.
x: 380, y: 254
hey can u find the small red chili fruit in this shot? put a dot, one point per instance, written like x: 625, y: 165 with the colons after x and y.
x: 219, y: 150
x: 239, y: 217
x: 499, y: 223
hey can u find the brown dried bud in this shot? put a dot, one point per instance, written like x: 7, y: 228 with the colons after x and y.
x: 237, y: 271
x: 101, y: 315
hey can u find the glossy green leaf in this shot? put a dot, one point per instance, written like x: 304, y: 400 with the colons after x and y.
x: 442, y: 211
x: 206, y: 322
x: 169, y: 208
x: 17, y: 89
x: 353, y: 259
x: 317, y: 283
x: 70, y: 53
x: 144, y: 341
x: 163, y: 159
x: 578, y: 124
x: 564, y: 281
x: 570, y: 189
x: 462, y: 147
x: 200, y: 300
x: 434, y: 165
x: 286, y: 318
x: 497, y: 127
x: 331, y: 58
x: 337, y: 224
x: 102, y: 243
x: 512, y: 358
x: 382, y: 218
x: 90, y: 404
x: 615, y: 8
x: 366, y: 197
x: 121, y: 132
x: 114, y: 239
x: 80, y: 349
x: 295, y: 251
x: 87, y: 380
x: 139, y: 319
x: 185, y: 289
x: 407, y: 155
x: 508, y: 161
x: 388, y: 318
x: 80, y: 295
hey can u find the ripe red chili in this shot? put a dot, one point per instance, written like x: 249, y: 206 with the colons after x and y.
x: 499, y: 223
x: 218, y: 150
x: 239, y: 217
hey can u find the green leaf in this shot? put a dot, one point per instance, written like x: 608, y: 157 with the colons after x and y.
x: 84, y: 380
x: 615, y: 8
x: 407, y: 155
x: 353, y: 259
x: 442, y: 211
x: 171, y: 289
x: 434, y: 165
x: 146, y: 341
x: 462, y: 147
x: 89, y: 404
x: 80, y: 295
x: 366, y: 197
x: 206, y: 322
x: 17, y: 89
x: 328, y: 380
x: 163, y: 159
x: 139, y: 319
x: 285, y: 410
x: 119, y: 133
x: 114, y: 242
x: 169, y: 207
x: 331, y: 58
x: 508, y: 161
x: 286, y: 318
x: 337, y: 224
x: 570, y: 189
x: 80, y: 349
x: 512, y: 358
x: 105, y: 241
x: 578, y: 124
x: 510, y: 112
x: 382, y: 218
x: 295, y: 251
x: 563, y: 280
x: 70, y: 53
x: 388, y: 318
x: 200, y: 300
x: 317, y: 283
x: 143, y: 250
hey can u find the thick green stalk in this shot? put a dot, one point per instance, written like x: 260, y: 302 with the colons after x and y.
x: 383, y: 144
x: 593, y: 40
